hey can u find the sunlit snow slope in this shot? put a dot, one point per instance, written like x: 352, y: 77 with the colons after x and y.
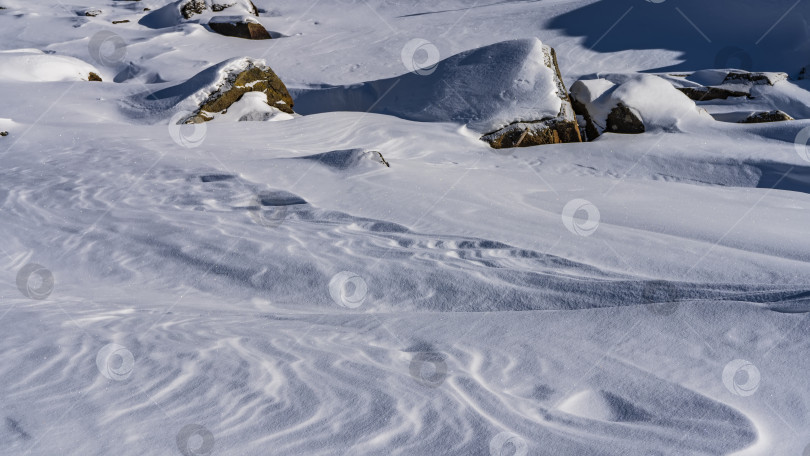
x: 371, y: 279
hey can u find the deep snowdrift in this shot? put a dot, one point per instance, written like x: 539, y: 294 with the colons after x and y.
x: 360, y: 283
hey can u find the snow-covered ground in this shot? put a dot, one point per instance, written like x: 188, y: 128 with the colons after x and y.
x: 253, y: 288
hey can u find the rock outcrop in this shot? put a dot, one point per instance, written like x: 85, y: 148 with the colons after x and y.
x: 767, y: 116
x: 735, y: 83
x: 239, y: 27
x: 236, y: 79
x: 190, y: 8
x: 631, y: 105
x: 562, y: 128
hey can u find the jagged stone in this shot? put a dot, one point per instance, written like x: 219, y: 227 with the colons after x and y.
x: 767, y: 116
x: 193, y: 7
x: 94, y: 77
x: 745, y: 77
x: 254, y: 78
x: 712, y: 93
x: 623, y: 119
x: 239, y: 27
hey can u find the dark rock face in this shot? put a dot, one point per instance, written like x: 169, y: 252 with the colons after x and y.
x: 192, y: 7
x: 744, y: 77
x: 768, y: 116
x: 712, y: 93
x: 242, y: 29
x: 94, y: 77
x: 561, y: 129
x: 622, y: 119
x: 590, y: 132
x: 253, y: 79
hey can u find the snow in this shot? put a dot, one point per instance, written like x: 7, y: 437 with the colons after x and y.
x: 257, y: 287
x: 656, y: 102
x: 33, y: 65
x: 486, y: 89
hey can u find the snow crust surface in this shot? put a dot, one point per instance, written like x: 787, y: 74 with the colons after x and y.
x: 369, y: 278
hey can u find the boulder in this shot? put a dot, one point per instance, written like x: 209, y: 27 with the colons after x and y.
x: 94, y: 77
x: 767, y: 116
x: 746, y: 77
x: 190, y: 8
x: 712, y: 93
x: 635, y: 104
x: 239, y: 26
x: 562, y: 128
x: 235, y: 78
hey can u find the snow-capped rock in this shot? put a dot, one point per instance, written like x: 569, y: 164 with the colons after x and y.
x: 213, y: 90
x: 635, y: 104
x: 239, y: 26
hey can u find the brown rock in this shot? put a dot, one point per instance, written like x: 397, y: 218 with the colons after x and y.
x: 94, y: 77
x: 240, y: 29
x: 253, y: 79
x: 3, y: 133
x: 622, y: 119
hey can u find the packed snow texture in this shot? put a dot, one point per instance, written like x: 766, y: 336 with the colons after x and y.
x: 369, y: 278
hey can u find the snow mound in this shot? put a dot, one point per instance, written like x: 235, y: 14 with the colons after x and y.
x: 342, y: 160
x: 486, y: 88
x: 33, y: 65
x: 602, y: 406
x: 656, y: 103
